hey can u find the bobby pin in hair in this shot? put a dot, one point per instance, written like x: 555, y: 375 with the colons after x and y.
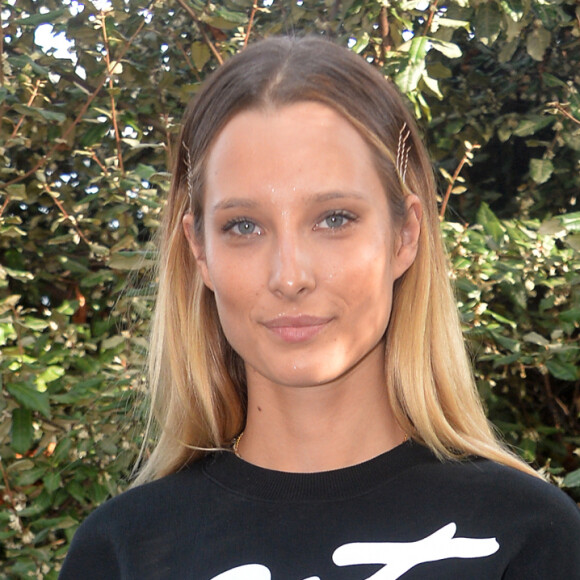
x: 403, y: 152
x: 189, y: 167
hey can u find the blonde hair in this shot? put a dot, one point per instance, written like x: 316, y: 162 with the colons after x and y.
x: 197, y: 381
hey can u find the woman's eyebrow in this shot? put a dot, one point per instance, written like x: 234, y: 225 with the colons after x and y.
x: 246, y: 203
x: 320, y: 197
x: 234, y: 202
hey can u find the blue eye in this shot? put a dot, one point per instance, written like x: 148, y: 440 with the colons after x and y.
x: 245, y: 227
x: 242, y: 227
x: 336, y: 220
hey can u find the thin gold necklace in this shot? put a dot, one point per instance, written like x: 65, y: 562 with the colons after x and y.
x: 239, y: 438
x: 237, y: 444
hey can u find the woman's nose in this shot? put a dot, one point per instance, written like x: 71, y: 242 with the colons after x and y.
x: 292, y: 273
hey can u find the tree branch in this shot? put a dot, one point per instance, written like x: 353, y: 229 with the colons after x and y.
x: 464, y: 160
x: 80, y: 116
x: 111, y: 87
x: 71, y: 219
x: 206, y: 38
x: 432, y: 10
x: 7, y: 488
x: 251, y: 22
x: 28, y: 104
x: 1, y: 50
x: 385, y: 31
x: 560, y: 108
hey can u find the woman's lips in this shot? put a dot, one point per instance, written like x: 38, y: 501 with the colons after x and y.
x: 296, y: 328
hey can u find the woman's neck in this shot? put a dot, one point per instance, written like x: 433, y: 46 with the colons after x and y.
x: 319, y: 428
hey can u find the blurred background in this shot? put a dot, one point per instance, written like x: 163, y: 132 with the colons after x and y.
x: 91, y: 94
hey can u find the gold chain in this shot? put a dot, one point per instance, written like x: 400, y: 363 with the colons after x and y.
x: 236, y: 444
x: 239, y: 438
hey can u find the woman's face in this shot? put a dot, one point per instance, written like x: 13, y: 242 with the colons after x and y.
x: 299, y: 247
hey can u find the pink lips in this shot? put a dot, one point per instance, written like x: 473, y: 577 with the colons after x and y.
x: 296, y: 328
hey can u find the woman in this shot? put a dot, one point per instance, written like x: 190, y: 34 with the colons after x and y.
x: 305, y: 313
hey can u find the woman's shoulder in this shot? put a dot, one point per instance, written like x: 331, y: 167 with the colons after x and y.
x: 477, y: 474
x: 137, y: 517
x: 489, y: 486
x: 151, y: 499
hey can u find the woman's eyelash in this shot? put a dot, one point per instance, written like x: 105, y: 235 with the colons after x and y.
x: 333, y: 220
x: 336, y: 219
x: 245, y: 226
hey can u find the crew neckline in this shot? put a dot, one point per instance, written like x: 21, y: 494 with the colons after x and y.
x: 249, y: 480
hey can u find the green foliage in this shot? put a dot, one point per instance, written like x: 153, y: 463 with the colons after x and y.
x: 85, y: 149
x: 519, y: 295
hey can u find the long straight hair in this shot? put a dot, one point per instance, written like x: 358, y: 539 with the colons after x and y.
x: 197, y: 381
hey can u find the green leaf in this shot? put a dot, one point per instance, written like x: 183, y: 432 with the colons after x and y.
x: 52, y: 373
x: 490, y: 223
x: 22, y: 430
x: 18, y: 274
x: 52, y: 115
x: 33, y: 323
x: 28, y: 396
x: 432, y: 85
x: 39, y: 505
x: 571, y: 221
x: 437, y: 70
x: 501, y: 318
x: 510, y: 343
x: 112, y: 342
x: 418, y: 48
x: 572, y: 479
x: 52, y: 482
x: 563, y: 223
x: 130, y: 261
x: 487, y: 23
x: 237, y: 17
x: 361, y: 43
x: 553, y: 81
x: 40, y: 114
x: 94, y: 134
x: 573, y: 242
x: 508, y: 50
x: 571, y: 315
x: 551, y: 227
x: 449, y: 49
x: 224, y: 19
x: 537, y: 43
x: 563, y: 370
x: 541, y: 170
x: 29, y: 476
x: 200, y: 54
x: 145, y: 171
x: 532, y: 124
x: 17, y: 191
x: 408, y: 78
x: 513, y: 8
x: 535, y: 338
x: 454, y: 23
x: 41, y: 18
x: 23, y: 60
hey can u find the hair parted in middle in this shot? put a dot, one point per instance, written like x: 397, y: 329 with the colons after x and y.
x: 197, y: 381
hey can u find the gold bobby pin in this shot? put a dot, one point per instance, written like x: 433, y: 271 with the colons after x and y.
x: 403, y: 152
x: 189, y: 167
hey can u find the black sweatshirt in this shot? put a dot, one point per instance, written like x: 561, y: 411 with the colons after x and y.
x: 404, y: 514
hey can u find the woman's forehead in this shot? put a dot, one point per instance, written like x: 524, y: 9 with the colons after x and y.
x: 306, y: 145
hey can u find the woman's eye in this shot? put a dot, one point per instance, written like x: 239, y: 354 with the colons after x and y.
x: 242, y: 227
x: 335, y: 220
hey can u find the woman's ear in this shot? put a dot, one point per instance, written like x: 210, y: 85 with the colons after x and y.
x: 407, y: 241
x: 197, y: 248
